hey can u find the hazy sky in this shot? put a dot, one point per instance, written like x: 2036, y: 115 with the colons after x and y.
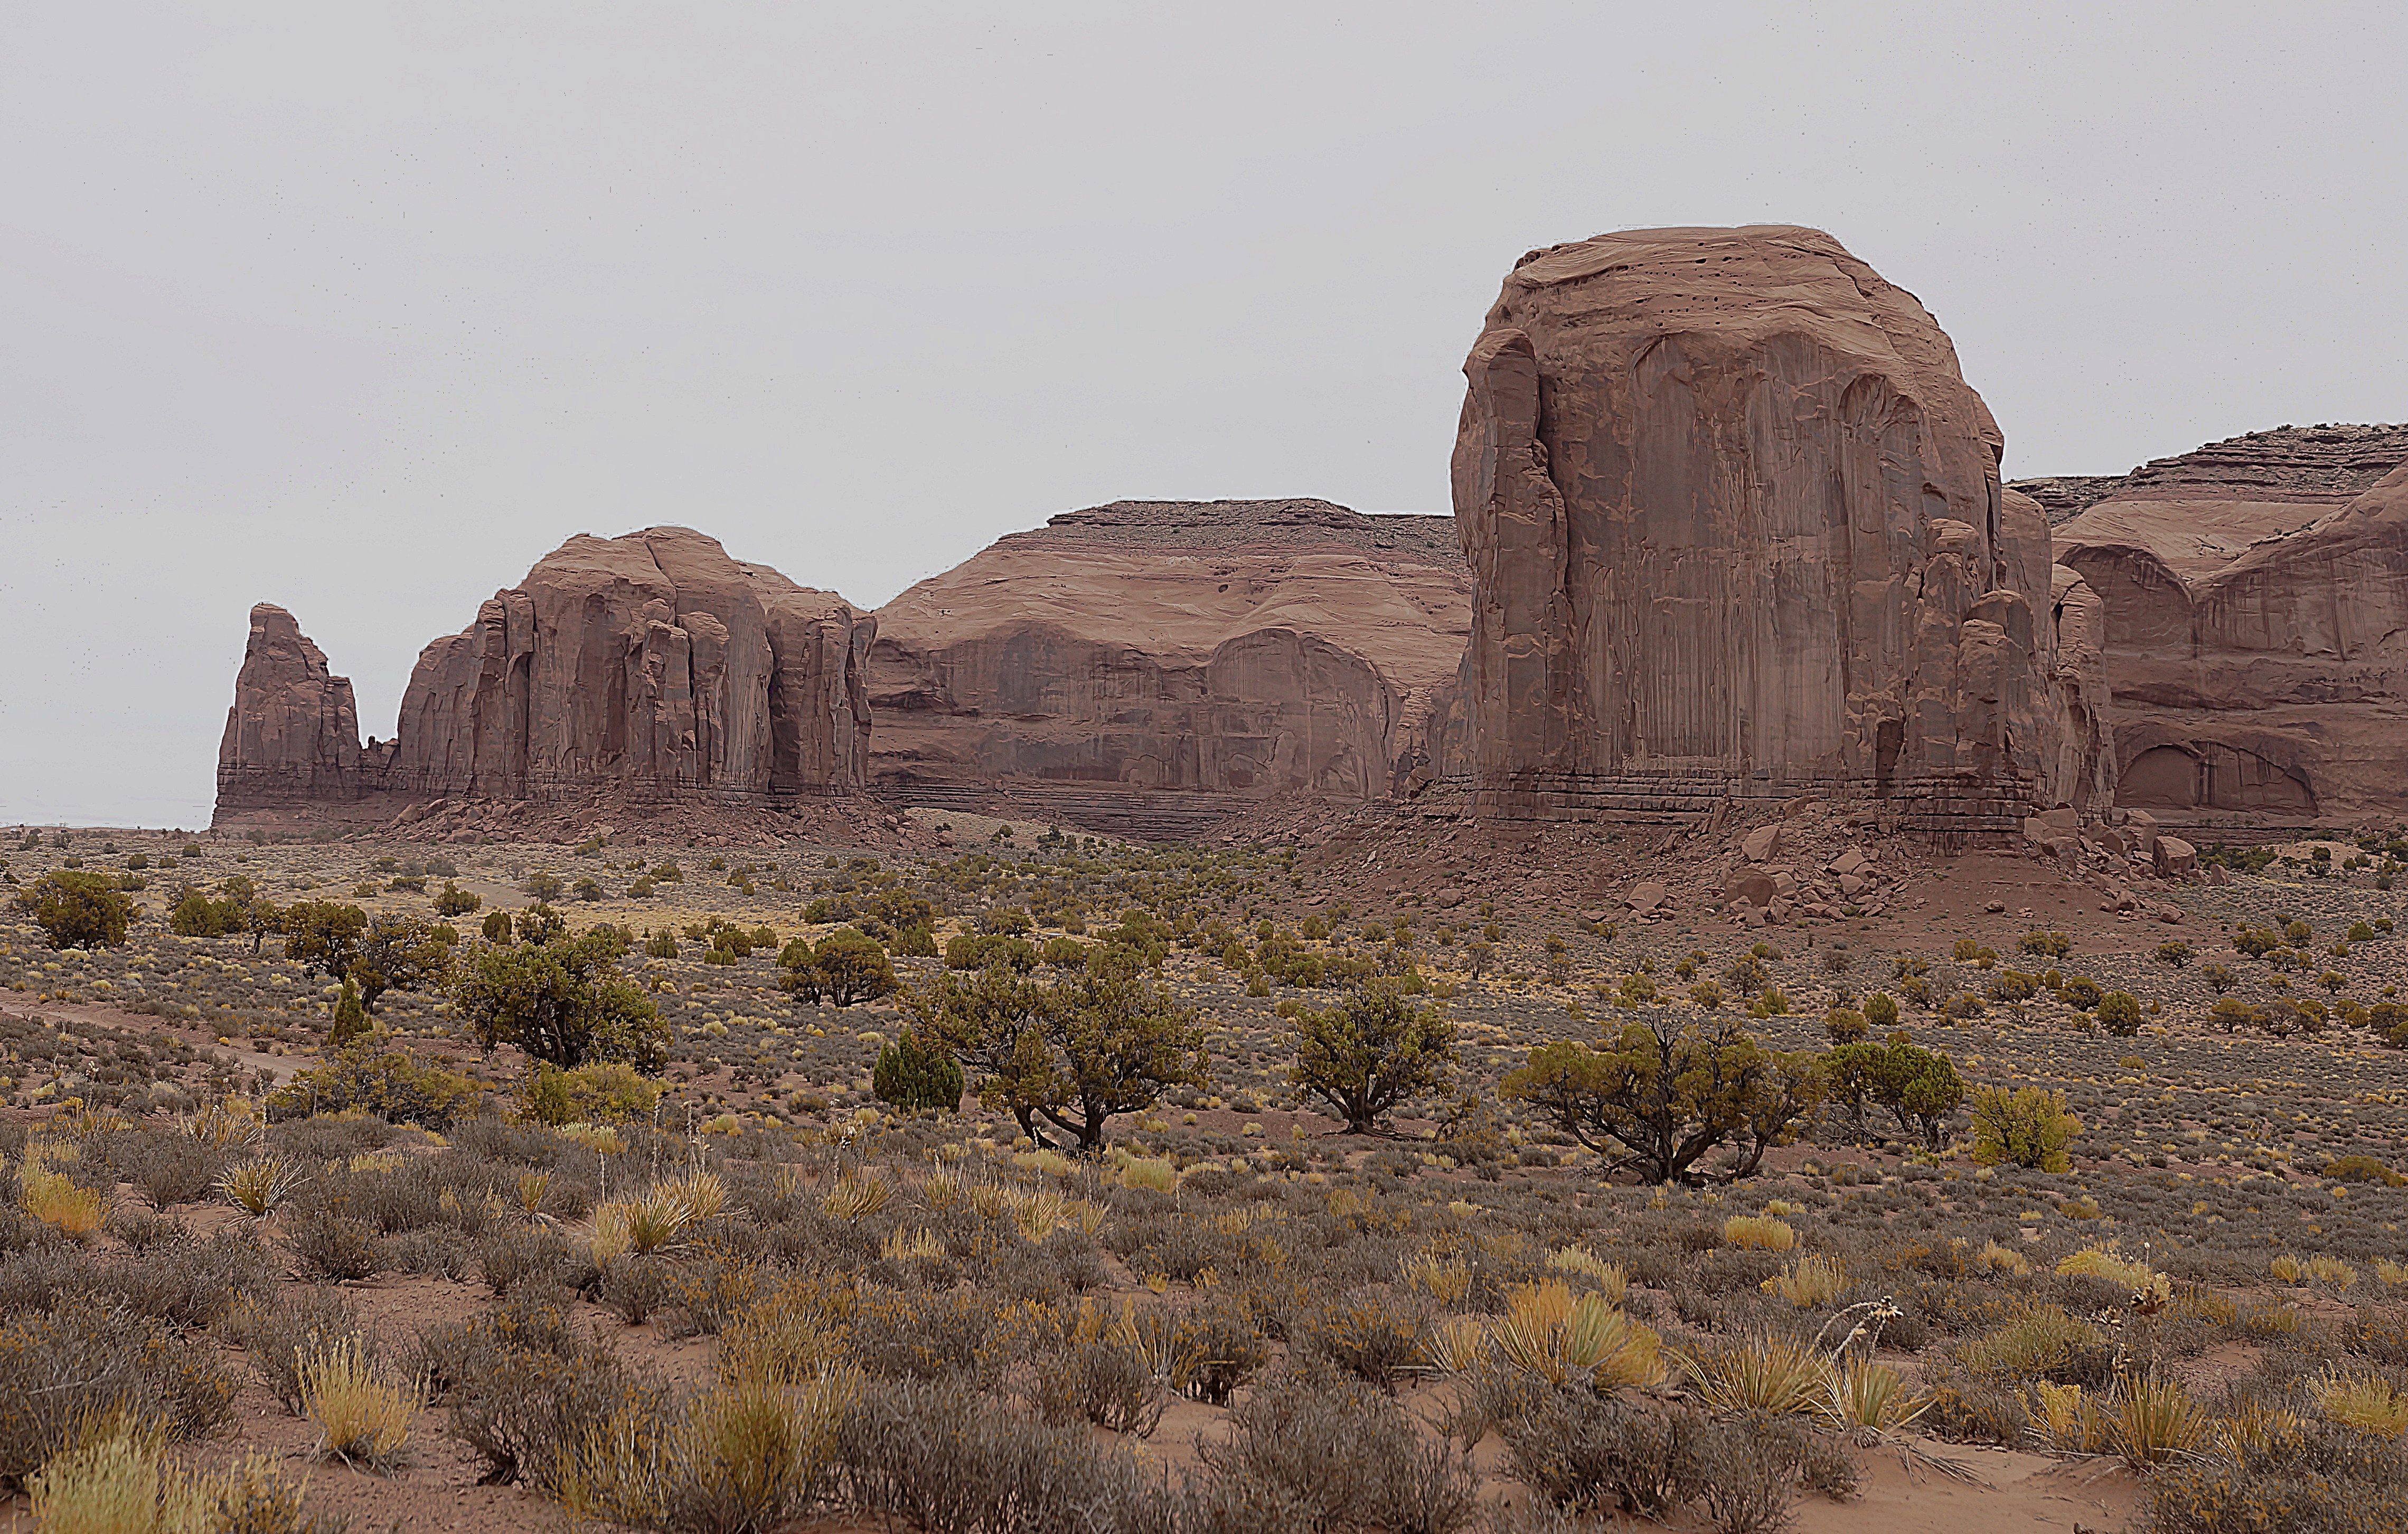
x: 362, y: 309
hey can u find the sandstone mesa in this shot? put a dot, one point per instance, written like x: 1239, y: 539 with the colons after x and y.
x: 1729, y: 530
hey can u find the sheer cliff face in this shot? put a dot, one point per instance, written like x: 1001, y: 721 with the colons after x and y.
x: 653, y: 661
x: 2255, y: 596
x: 1735, y: 526
x: 293, y: 736
x: 1226, y: 648
x: 651, y: 665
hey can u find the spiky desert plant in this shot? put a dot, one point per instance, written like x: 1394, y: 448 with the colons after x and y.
x: 532, y: 1188
x: 2154, y: 1417
x: 1774, y: 1375
x: 259, y: 1185
x: 1456, y: 1344
x: 1759, y: 1232
x: 855, y: 1196
x: 225, y: 1124
x: 912, y: 1245
x: 1865, y: 1395
x: 2365, y: 1401
x: 1548, y: 1332
x: 2287, y: 1269
x: 363, y: 1416
x: 695, y: 1197
x: 1446, y: 1280
x: 1811, y: 1280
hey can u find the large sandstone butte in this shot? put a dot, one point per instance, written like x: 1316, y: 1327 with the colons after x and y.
x: 2255, y: 600
x: 1147, y: 667
x: 648, y: 667
x: 1737, y: 531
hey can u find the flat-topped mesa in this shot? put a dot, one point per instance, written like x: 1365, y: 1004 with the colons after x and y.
x: 646, y: 667
x: 293, y: 736
x: 2253, y: 595
x: 1149, y: 667
x: 1736, y: 530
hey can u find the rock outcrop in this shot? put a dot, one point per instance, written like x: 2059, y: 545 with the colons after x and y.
x: 2253, y: 619
x: 1148, y: 667
x: 651, y: 667
x: 292, y: 736
x: 1736, y: 530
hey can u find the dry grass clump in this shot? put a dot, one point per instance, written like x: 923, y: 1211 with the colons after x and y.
x: 1811, y: 1280
x: 56, y: 1199
x: 2362, y: 1399
x: 2145, y: 1418
x: 1611, y: 1278
x: 1760, y: 1233
x: 363, y: 1416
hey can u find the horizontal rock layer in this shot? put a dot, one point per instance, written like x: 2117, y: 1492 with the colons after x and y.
x: 1091, y: 670
x: 2254, y: 614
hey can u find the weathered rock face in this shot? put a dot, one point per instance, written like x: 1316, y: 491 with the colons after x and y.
x: 1736, y: 528
x: 293, y: 736
x: 1146, y: 667
x: 648, y: 666
x: 2253, y: 605
x: 2319, y: 465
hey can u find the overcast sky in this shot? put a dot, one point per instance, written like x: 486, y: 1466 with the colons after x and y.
x: 362, y: 309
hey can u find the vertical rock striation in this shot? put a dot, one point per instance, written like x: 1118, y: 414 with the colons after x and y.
x: 293, y: 736
x: 650, y: 666
x: 1735, y: 529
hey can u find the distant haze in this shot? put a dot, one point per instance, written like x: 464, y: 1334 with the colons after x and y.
x: 361, y: 309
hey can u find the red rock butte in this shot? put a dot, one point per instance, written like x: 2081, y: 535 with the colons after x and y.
x: 1736, y: 531
x: 2255, y: 640
x: 650, y: 666
x: 1151, y: 667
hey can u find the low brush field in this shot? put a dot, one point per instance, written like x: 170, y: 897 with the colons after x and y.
x: 2088, y: 1219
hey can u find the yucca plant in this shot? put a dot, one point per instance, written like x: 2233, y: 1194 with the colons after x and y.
x: 1038, y: 1212
x: 696, y: 1198
x: 2154, y: 1417
x: 1864, y: 1397
x: 532, y: 1188
x: 1548, y: 1332
x: 260, y: 1184
x: 1446, y: 1280
x: 2364, y: 1401
x: 1456, y: 1344
x: 223, y: 1124
x: 1771, y: 1374
x: 855, y: 1196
